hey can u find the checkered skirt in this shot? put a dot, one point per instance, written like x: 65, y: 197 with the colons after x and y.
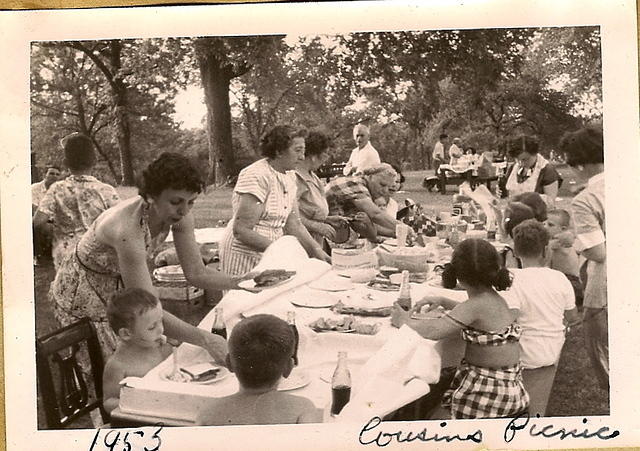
x: 478, y: 392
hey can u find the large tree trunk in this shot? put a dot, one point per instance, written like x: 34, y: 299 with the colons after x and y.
x: 121, y: 116
x: 216, y: 95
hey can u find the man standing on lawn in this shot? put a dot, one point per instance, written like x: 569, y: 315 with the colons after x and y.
x: 42, y: 236
x: 439, y: 153
x: 364, y: 156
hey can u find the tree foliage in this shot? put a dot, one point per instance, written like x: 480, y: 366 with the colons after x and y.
x: 481, y: 85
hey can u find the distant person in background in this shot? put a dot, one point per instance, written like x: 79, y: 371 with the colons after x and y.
x: 531, y: 172
x: 42, y: 234
x: 585, y: 153
x: 455, y: 151
x: 364, y: 155
x: 74, y: 203
x: 440, y: 155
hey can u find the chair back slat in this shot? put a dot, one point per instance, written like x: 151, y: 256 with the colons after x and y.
x: 57, y: 360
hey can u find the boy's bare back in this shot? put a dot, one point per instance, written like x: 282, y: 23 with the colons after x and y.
x: 272, y: 407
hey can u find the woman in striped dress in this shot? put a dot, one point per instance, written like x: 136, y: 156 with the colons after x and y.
x: 264, y: 204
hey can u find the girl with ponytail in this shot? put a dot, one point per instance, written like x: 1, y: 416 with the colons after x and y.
x: 488, y: 381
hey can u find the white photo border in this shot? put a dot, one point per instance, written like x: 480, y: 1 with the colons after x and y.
x: 620, y: 98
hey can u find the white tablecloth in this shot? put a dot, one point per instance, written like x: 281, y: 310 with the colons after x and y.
x: 389, y: 358
x: 206, y: 235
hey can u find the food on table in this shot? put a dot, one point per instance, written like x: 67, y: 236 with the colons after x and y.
x: 361, y: 311
x: 271, y: 277
x: 200, y: 372
x: 344, y: 324
x: 383, y: 284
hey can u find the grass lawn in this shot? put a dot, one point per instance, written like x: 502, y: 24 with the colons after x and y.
x: 575, y: 391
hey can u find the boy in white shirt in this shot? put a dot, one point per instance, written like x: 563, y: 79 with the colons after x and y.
x: 545, y: 300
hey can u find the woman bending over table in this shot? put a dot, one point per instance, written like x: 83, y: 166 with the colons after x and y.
x: 113, y: 253
x: 354, y: 196
x: 264, y: 204
x: 488, y: 381
x: 75, y: 202
x: 312, y: 203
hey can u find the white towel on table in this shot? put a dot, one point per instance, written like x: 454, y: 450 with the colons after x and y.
x: 284, y: 253
x: 398, y: 373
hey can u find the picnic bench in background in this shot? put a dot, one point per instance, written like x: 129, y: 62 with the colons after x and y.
x: 328, y: 171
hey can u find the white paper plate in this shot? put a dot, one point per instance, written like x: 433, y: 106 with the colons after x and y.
x: 297, y: 379
x: 324, y: 300
x: 332, y: 282
x: 222, y: 374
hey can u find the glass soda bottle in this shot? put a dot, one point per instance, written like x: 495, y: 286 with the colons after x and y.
x: 404, y: 297
x: 340, y: 385
x: 218, y: 327
x: 291, y: 320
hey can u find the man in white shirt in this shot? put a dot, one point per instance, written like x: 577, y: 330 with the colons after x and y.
x: 39, y: 189
x: 364, y: 156
x: 455, y: 151
x: 439, y: 155
x: 42, y: 236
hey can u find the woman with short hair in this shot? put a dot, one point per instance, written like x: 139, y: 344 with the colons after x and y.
x: 264, y: 204
x: 531, y: 172
x: 74, y: 203
x: 356, y: 195
x: 113, y: 254
x: 312, y: 202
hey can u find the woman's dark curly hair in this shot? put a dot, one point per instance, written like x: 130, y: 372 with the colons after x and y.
x: 585, y: 146
x: 278, y: 139
x: 476, y: 263
x: 78, y: 152
x: 170, y: 171
x: 521, y: 144
x: 316, y: 143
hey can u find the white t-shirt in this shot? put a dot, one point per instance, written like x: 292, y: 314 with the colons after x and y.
x: 362, y: 159
x: 542, y: 295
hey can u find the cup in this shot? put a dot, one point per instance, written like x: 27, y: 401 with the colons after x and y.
x: 402, y: 230
x: 442, y: 230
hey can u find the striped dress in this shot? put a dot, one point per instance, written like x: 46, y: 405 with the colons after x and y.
x: 277, y: 191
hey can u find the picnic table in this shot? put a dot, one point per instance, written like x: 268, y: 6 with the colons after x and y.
x: 381, y: 365
x: 455, y: 175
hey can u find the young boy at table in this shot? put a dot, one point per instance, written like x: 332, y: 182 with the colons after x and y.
x: 135, y: 315
x: 545, y: 302
x: 261, y: 351
x: 562, y: 256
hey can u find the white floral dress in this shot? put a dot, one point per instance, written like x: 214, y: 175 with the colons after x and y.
x: 73, y: 204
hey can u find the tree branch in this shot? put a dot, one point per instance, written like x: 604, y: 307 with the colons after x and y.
x: 52, y: 108
x: 97, y: 61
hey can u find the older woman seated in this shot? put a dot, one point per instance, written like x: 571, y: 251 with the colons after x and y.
x: 264, y: 204
x: 312, y: 203
x: 354, y: 197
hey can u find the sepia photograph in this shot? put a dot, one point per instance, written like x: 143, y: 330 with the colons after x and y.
x: 338, y: 235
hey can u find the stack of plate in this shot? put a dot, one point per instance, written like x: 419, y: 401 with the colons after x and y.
x: 172, y: 273
x: 172, y: 285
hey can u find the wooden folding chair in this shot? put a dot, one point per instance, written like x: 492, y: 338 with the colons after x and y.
x: 64, y: 387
